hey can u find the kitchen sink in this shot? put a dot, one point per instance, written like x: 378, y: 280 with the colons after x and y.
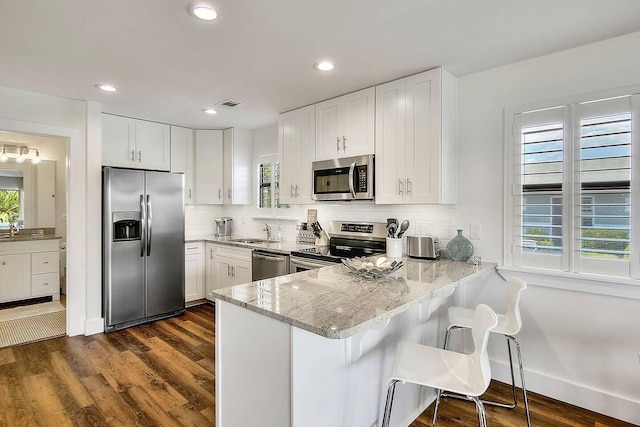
x: 250, y: 240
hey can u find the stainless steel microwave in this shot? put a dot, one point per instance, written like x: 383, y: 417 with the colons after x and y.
x: 347, y: 178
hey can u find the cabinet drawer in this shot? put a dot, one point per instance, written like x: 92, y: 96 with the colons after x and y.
x: 44, y: 262
x: 45, y: 284
x: 193, y: 248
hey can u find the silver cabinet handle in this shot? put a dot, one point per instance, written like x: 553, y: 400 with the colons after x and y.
x: 292, y: 191
x: 219, y: 194
x: 189, y: 194
x: 45, y: 284
x: 133, y: 155
x: 149, y: 224
x: 211, y: 254
x: 143, y: 213
x: 409, y: 186
x: 45, y: 262
x: 4, y: 263
x: 229, y: 192
x: 139, y: 156
x: 228, y: 270
x: 297, y: 191
x: 338, y: 143
x: 233, y: 271
x: 400, y: 186
x: 344, y: 144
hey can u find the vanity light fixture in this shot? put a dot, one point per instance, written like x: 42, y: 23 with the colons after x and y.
x: 203, y: 11
x: 105, y: 87
x: 323, y: 66
x: 20, y: 153
x: 210, y: 111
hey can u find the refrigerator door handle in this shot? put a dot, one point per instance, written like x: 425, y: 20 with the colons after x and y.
x: 149, y: 223
x: 143, y: 212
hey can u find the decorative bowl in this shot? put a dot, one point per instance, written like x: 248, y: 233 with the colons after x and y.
x: 370, y: 267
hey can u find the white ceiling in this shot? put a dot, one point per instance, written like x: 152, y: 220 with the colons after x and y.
x: 169, y: 66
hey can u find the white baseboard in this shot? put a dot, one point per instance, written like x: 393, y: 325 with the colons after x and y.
x: 94, y: 326
x: 580, y: 395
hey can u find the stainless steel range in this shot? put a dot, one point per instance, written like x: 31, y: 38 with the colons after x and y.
x: 348, y: 239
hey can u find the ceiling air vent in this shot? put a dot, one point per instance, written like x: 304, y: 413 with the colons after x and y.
x: 230, y: 103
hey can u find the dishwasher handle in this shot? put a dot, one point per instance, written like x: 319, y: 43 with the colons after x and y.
x: 275, y: 258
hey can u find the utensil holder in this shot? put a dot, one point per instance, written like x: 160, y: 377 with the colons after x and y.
x: 394, y: 247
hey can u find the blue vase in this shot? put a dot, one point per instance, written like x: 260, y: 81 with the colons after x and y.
x: 460, y: 248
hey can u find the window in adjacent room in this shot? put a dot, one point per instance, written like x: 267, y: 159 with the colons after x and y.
x: 570, y: 170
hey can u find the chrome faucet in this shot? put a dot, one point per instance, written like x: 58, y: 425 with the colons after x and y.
x: 13, y: 229
x: 267, y: 228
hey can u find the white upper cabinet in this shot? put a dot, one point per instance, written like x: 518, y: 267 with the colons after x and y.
x: 182, y: 147
x: 135, y: 143
x: 345, y: 125
x: 296, y: 144
x: 208, y: 162
x: 415, y: 139
x: 238, y: 152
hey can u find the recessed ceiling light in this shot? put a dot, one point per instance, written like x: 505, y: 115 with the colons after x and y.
x: 105, y: 87
x: 204, y: 11
x: 210, y: 111
x: 323, y: 66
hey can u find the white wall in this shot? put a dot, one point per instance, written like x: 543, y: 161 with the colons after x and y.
x: 579, y: 347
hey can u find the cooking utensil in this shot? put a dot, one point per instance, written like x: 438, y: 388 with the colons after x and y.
x: 403, y: 227
x: 391, y: 228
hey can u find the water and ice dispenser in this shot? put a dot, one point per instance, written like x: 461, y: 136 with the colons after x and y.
x: 126, y: 226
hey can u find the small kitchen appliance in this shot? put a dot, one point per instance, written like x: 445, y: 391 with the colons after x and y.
x: 427, y: 247
x: 223, y: 226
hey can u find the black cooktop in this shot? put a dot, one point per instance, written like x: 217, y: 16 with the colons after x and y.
x: 334, y: 253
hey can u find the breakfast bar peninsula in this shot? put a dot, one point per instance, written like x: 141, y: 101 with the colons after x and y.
x: 316, y: 348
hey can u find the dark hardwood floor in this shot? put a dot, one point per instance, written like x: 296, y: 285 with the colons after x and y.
x: 162, y: 374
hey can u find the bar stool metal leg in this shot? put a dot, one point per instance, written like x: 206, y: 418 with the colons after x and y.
x: 482, y: 418
x: 524, y: 388
x: 435, y: 410
x: 387, y: 407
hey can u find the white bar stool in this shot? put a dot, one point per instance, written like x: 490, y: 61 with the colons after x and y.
x: 465, y: 374
x: 509, y: 324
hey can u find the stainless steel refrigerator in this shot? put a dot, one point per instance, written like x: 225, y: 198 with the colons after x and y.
x: 143, y: 246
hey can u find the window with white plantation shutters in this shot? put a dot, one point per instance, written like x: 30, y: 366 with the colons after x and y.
x: 573, y: 196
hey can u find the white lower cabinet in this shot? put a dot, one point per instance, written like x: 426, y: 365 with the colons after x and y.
x: 194, y: 271
x: 226, y: 266
x: 29, y: 269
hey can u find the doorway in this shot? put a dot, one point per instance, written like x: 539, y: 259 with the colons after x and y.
x: 33, y: 236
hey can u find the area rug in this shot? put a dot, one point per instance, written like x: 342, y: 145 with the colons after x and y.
x: 33, y: 328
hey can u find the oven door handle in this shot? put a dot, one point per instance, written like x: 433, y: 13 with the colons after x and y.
x: 351, y: 170
x: 298, y: 262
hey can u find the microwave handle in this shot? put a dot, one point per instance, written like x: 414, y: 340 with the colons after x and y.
x: 351, y: 170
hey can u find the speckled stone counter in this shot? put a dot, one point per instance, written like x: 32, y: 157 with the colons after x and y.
x: 333, y: 303
x: 276, y: 247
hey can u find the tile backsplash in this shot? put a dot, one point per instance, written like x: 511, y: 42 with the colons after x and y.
x: 435, y: 220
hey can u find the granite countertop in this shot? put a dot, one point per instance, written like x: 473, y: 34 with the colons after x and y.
x: 282, y: 247
x: 27, y: 238
x: 333, y: 303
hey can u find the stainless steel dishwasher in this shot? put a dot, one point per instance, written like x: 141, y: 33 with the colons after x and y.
x: 265, y: 265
